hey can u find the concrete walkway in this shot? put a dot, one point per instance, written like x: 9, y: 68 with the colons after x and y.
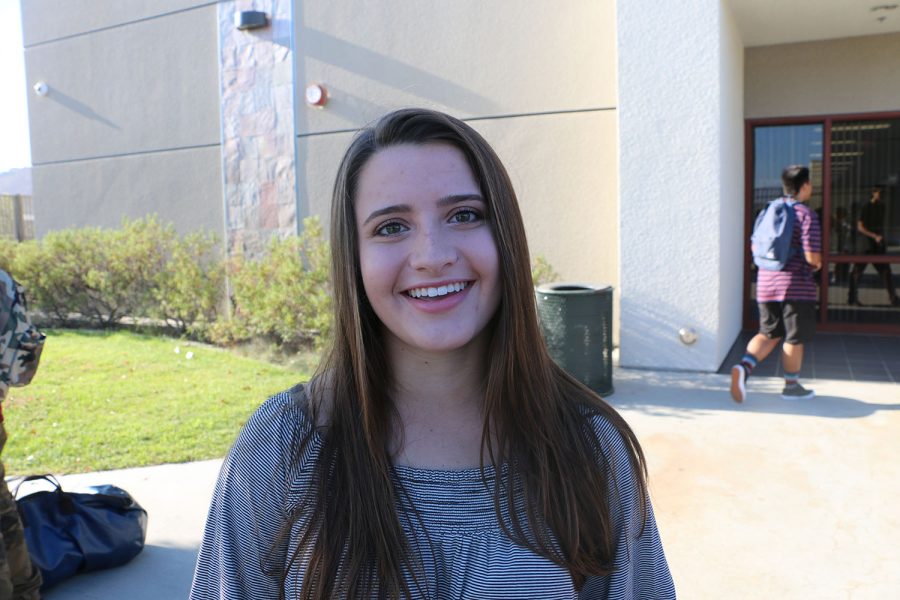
x: 770, y: 499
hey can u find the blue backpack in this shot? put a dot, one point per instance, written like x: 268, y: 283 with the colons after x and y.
x: 772, y: 234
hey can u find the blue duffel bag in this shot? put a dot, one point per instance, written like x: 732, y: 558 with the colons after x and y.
x: 68, y: 533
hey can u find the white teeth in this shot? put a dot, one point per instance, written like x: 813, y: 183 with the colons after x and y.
x: 434, y: 292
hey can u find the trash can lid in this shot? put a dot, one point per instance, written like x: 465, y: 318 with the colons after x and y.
x: 564, y: 287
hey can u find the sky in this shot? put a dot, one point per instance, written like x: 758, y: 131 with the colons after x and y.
x: 15, y: 147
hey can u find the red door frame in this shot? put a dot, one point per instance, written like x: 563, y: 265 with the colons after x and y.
x: 826, y: 121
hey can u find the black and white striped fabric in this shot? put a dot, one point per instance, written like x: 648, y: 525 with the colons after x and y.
x: 448, y: 517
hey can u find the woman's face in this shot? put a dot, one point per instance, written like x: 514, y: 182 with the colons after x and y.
x: 429, y: 263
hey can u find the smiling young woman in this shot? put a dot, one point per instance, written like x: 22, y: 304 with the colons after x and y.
x: 438, y: 452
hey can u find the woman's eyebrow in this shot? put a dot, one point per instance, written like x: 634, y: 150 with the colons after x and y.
x: 457, y: 198
x: 405, y: 208
x: 387, y: 210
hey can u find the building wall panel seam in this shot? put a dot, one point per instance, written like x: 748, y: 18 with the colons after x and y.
x: 125, y: 154
x: 117, y: 25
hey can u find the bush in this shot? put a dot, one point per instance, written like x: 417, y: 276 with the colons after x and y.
x: 55, y: 272
x: 142, y: 269
x: 96, y: 274
x: 284, y: 296
x: 8, y: 248
x: 191, y: 285
x: 95, y: 277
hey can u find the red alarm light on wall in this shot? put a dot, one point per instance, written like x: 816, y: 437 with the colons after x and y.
x: 316, y: 95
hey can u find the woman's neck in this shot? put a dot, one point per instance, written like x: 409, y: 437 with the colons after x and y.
x: 439, y: 404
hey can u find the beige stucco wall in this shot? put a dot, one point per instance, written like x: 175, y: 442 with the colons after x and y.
x: 848, y: 75
x: 564, y: 168
x: 133, y: 102
x: 727, y: 281
x: 468, y: 57
x: 537, y: 80
x: 183, y: 187
x: 48, y: 20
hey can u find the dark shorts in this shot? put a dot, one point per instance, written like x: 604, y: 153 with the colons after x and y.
x: 793, y: 320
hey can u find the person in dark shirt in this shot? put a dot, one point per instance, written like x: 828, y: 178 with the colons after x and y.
x: 871, y: 226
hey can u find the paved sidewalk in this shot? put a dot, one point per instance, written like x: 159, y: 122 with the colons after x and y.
x: 770, y: 499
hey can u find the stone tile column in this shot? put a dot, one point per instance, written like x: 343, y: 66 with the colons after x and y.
x: 258, y: 133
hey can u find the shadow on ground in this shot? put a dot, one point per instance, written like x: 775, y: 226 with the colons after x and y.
x: 690, y: 395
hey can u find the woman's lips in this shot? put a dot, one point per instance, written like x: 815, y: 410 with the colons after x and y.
x: 439, y: 302
x: 437, y: 290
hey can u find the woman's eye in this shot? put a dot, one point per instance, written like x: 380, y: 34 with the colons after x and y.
x: 465, y: 216
x: 390, y: 229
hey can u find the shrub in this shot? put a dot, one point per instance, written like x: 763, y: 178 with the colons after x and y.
x: 95, y: 277
x: 284, y: 296
x: 142, y: 269
x: 97, y: 274
x: 8, y: 248
x: 189, y: 288
x: 138, y: 252
x: 55, y: 271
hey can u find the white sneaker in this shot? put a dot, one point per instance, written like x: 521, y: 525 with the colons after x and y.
x: 738, y: 383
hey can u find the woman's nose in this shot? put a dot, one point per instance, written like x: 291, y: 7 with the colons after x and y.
x: 432, y: 251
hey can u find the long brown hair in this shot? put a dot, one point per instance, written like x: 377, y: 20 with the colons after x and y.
x: 538, y: 417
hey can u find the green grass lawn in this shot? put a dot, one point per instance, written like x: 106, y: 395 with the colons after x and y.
x: 108, y: 400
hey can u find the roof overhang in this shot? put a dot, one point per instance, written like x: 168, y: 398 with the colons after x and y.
x: 770, y: 22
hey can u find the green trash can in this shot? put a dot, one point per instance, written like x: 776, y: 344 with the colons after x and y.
x: 576, y: 320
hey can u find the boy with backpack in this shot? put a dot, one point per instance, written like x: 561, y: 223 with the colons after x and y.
x: 787, y: 247
x: 20, y: 350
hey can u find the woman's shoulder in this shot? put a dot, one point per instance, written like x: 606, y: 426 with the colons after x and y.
x: 282, y: 411
x: 616, y: 443
x: 276, y: 427
x: 603, y: 422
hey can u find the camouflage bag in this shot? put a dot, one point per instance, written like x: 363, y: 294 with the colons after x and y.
x: 20, y: 341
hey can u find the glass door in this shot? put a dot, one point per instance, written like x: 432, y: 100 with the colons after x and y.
x: 864, y: 246
x: 854, y: 165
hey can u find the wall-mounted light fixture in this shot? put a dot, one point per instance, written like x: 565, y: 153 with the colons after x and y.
x: 41, y: 88
x: 316, y: 94
x: 250, y: 19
